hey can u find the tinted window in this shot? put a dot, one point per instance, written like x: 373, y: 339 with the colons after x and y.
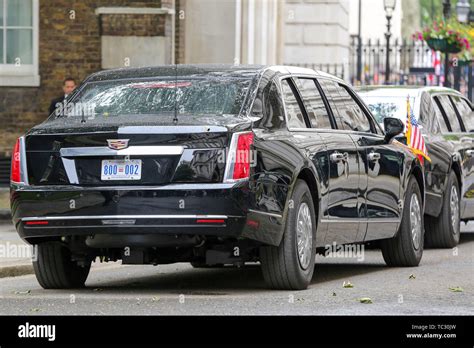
x: 428, y: 118
x: 330, y: 89
x: 352, y: 115
x: 161, y: 96
x: 465, y: 110
x: 449, y: 113
x: 268, y: 105
x: 317, y: 112
x: 293, y: 109
x: 443, y: 124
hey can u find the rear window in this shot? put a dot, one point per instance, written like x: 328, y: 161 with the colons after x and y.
x: 195, y: 96
x: 385, y: 106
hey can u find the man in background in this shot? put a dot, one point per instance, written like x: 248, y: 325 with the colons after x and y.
x: 69, y: 85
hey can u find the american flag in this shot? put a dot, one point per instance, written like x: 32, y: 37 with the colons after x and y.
x: 415, y: 139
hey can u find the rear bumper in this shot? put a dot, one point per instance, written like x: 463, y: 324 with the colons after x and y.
x: 182, y: 209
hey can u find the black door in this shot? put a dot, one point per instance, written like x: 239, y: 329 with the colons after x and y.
x: 465, y: 113
x: 345, y: 213
x: 380, y: 167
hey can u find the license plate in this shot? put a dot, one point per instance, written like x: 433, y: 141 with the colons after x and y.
x: 121, y: 170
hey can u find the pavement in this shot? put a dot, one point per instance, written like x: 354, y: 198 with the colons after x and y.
x: 443, y: 284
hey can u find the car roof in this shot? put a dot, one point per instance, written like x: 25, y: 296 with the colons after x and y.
x: 402, y: 91
x: 199, y: 69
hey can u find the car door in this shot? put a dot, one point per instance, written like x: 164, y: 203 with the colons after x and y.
x: 345, y: 214
x: 465, y: 113
x: 381, y: 167
x: 299, y: 125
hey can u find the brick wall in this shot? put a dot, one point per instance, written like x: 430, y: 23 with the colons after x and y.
x: 69, y: 45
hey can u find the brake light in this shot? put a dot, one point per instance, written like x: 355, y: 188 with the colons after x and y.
x: 241, y: 155
x: 210, y: 221
x: 15, y: 175
x: 36, y: 223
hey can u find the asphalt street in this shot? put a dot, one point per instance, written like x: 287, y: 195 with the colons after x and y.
x: 179, y: 289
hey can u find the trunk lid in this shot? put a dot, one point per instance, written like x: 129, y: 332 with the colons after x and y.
x: 66, y: 151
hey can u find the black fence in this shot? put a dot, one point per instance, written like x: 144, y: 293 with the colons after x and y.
x: 411, y: 63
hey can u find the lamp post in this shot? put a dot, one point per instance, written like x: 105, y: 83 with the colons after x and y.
x: 446, y: 15
x: 465, y: 15
x: 462, y: 10
x: 389, y: 6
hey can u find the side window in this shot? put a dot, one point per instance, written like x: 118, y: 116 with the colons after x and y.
x: 448, y: 112
x: 352, y: 115
x: 428, y: 118
x: 443, y: 123
x: 317, y: 112
x: 294, y: 111
x: 465, y: 111
x: 269, y: 106
x: 330, y: 89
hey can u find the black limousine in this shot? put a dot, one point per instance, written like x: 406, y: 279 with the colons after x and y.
x: 214, y: 165
x: 446, y: 119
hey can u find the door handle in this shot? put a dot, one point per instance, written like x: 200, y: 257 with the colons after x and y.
x: 337, y: 157
x: 470, y: 153
x: 373, y: 156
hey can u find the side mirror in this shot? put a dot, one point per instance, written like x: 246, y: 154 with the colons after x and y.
x: 393, y: 126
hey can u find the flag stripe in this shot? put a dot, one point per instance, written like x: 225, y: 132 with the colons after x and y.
x: 415, y: 139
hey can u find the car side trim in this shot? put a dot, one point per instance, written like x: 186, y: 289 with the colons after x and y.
x: 122, y: 217
x: 279, y: 216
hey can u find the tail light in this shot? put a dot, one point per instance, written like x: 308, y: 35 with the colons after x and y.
x: 240, y: 157
x: 17, y: 173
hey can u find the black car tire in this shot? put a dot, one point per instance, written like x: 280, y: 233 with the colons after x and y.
x: 440, y: 231
x: 281, y: 265
x: 404, y: 250
x: 55, y: 269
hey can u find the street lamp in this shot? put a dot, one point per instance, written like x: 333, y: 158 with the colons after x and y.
x: 446, y: 15
x: 462, y: 9
x: 389, y: 6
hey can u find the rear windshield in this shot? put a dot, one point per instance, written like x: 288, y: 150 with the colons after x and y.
x: 385, y: 106
x: 196, y: 96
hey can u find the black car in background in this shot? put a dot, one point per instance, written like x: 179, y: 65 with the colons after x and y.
x: 447, y: 123
x: 214, y: 165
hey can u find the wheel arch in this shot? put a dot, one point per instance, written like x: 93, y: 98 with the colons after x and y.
x: 417, y: 173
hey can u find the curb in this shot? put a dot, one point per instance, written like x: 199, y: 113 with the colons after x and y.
x: 16, y: 270
x: 5, y: 215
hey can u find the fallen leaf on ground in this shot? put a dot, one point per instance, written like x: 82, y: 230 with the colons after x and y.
x: 456, y: 289
x: 365, y: 300
x: 347, y: 285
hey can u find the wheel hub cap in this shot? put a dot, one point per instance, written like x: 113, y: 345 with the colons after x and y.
x: 415, y: 221
x: 304, y: 235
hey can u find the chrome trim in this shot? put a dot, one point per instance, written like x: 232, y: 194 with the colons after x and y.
x: 68, y: 188
x: 365, y: 219
x: 123, y: 217
x: 71, y: 172
x: 434, y: 194
x: 279, y: 216
x: 230, y: 160
x: 130, y: 151
x: 115, y: 222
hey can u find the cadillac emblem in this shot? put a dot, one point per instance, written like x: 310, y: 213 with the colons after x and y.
x: 117, y: 144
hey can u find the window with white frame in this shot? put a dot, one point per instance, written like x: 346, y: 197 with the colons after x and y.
x: 19, y: 42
